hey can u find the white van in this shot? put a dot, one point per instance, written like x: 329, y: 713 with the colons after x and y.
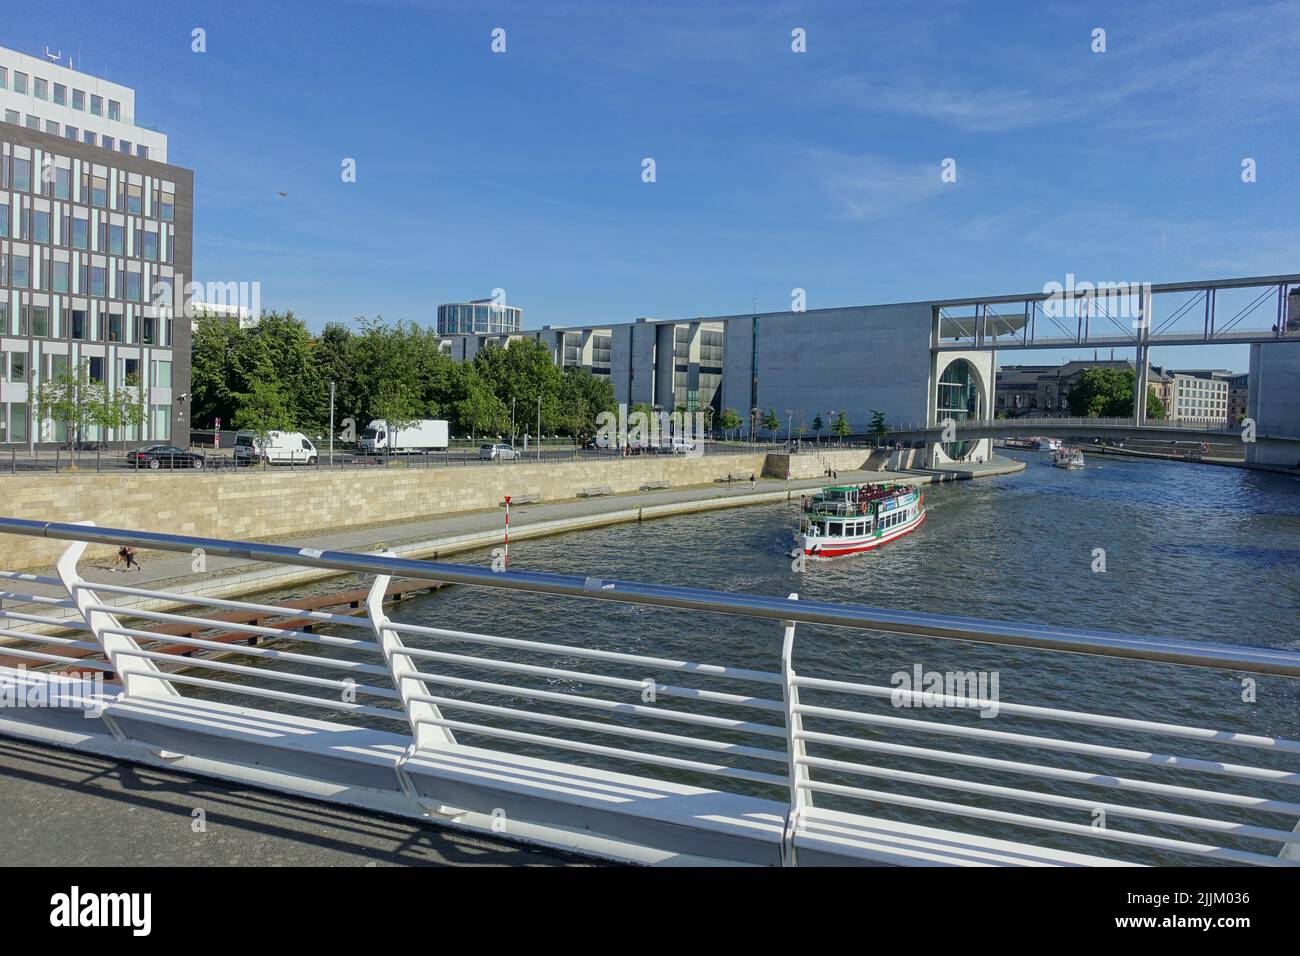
x: 279, y: 448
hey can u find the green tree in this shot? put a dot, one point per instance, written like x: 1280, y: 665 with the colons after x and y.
x: 818, y: 425
x: 582, y: 397
x: 523, y: 372
x: 729, y: 421
x: 1108, y: 393
x: 879, y: 428
x: 771, y: 423
x: 399, y: 409
x: 841, y: 427
x: 262, y: 410
x: 117, y: 411
x: 69, y: 398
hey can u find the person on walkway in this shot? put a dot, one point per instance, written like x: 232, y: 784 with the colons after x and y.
x: 125, y: 556
x: 752, y: 480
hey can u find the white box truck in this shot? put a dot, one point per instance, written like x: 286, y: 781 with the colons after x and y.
x: 427, y: 435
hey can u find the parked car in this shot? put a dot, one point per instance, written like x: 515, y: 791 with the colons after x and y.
x: 497, y: 452
x: 163, y: 456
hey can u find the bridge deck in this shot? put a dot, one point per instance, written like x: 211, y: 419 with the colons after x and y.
x: 121, y: 814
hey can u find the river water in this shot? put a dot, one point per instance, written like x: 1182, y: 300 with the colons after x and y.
x: 1142, y: 547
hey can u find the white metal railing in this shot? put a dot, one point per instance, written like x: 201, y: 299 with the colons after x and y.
x: 811, y: 745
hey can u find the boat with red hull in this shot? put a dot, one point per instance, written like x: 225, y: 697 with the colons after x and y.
x: 848, y: 519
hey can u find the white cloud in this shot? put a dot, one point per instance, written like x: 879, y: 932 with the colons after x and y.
x: 870, y: 186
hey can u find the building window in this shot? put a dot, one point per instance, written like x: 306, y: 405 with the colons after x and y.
x: 80, y: 329
x: 11, y: 116
x: 52, y: 127
x: 40, y: 322
x: 80, y: 234
x: 62, y: 183
x: 162, y: 374
x: 124, y: 147
x: 115, y: 330
x: 133, y: 286
x: 60, y: 94
x: 134, y: 199
x: 150, y: 244
x: 78, y: 100
x: 40, y: 88
x: 114, y: 110
x: 34, y: 122
x: 4, y: 78
x: 60, y: 271
x: 88, y: 137
x: 96, y: 105
x: 99, y: 281
x: 22, y: 174
x: 99, y: 192
x: 116, y: 240
x: 19, y: 271
x: 142, y: 150
x: 4, y: 223
x: 168, y: 207
x: 20, y: 82
x: 40, y: 226
x: 107, y: 142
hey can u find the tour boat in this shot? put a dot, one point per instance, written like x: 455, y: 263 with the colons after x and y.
x: 847, y: 519
x: 1047, y: 444
x: 1071, y: 458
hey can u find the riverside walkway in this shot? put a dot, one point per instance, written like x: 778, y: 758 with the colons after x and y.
x: 442, y: 535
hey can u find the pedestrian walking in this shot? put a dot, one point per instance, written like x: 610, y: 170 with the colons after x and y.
x: 125, y: 555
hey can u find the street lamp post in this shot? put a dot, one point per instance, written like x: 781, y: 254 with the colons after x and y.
x: 331, y: 423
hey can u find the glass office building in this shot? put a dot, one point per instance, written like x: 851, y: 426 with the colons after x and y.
x: 95, y: 252
x: 479, y: 317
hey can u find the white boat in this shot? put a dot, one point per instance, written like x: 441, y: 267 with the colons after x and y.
x: 1046, y: 444
x: 1071, y: 458
x: 848, y: 519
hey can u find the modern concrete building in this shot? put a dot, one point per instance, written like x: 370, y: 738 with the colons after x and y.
x: 1273, y: 404
x: 95, y: 252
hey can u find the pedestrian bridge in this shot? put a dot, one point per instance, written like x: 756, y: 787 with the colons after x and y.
x: 1108, y: 427
x: 643, y: 758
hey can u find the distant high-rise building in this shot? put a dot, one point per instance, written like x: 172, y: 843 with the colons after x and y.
x: 95, y: 252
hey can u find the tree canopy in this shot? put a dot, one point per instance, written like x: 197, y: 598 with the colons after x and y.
x: 1108, y: 393
x: 277, y: 375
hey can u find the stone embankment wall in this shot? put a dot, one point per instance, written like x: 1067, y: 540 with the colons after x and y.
x: 277, y: 502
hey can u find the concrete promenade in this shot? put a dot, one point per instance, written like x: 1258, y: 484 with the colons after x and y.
x: 442, y: 536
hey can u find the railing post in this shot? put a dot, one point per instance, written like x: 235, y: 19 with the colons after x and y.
x: 140, y: 676
x: 408, y: 688
x: 796, y: 769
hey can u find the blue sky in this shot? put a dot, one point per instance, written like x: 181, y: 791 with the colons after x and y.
x: 775, y: 170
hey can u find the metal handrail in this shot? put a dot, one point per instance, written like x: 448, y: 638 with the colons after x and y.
x: 945, y: 627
